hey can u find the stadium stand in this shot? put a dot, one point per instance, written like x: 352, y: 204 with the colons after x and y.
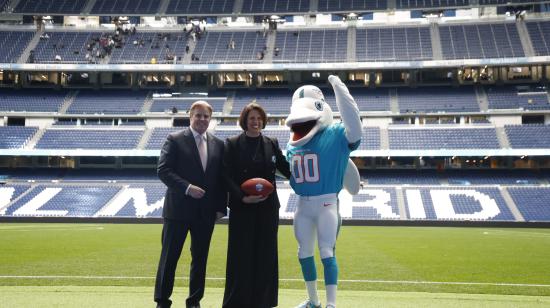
x: 371, y: 99
x: 434, y: 99
x: 66, y: 47
x: 456, y: 203
x: 528, y: 136
x: 72, y: 201
x: 158, y: 137
x: 14, y: 137
x: 279, y: 6
x: 3, y: 4
x: 282, y: 135
x: 108, y: 102
x: 226, y: 133
x: 478, y: 41
x: 199, y: 7
x: 351, y: 5
x: 229, y: 47
x: 393, y: 44
x: 89, y: 139
x: 145, y: 202
x: 99, y: 175
x: 142, y: 47
x: 50, y: 6
x: 274, y: 101
x: 532, y: 202
x: 465, y: 113
x: 471, y: 138
x: 31, y: 100
x: 508, y: 97
x: 379, y: 202
x: 370, y: 139
x: 12, y: 43
x: 183, y: 104
x: 313, y: 46
x: 367, y: 204
x: 10, y: 192
x: 419, y: 4
x: 396, y: 177
x: 539, y: 33
x: 126, y: 7
x: 492, y: 177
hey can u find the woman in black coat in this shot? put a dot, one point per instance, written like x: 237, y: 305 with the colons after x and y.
x: 252, y: 276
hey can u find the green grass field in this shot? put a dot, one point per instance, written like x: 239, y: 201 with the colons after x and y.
x: 379, y: 266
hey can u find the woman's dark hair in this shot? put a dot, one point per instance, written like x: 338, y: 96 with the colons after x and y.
x: 243, y: 118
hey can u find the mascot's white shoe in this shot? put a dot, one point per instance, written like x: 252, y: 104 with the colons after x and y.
x: 308, y: 304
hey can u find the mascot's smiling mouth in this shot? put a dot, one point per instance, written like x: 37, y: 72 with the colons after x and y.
x: 300, y: 130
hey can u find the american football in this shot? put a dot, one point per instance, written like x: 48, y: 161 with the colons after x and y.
x: 257, y: 186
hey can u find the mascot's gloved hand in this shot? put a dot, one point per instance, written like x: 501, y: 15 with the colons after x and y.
x: 348, y: 109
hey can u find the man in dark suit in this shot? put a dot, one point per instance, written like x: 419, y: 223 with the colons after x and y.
x: 191, y: 166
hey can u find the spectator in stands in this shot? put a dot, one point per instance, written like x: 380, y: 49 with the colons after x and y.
x: 186, y: 48
x: 57, y: 58
x: 190, y: 165
x: 252, y: 262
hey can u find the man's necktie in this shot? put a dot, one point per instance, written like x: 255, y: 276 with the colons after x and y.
x: 201, y: 144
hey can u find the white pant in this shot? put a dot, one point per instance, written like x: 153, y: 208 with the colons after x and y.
x: 316, y: 216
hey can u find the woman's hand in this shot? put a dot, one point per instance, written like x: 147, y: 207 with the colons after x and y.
x: 253, y: 199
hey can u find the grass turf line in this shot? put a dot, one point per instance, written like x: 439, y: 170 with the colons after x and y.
x: 425, y: 254
x: 116, y: 297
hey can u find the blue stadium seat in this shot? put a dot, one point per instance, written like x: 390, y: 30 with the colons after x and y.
x: 437, y: 139
x: 31, y: 100
x: 311, y: 46
x: 539, y: 33
x: 13, y: 43
x: 191, y: 7
x: 15, y: 137
x: 478, y: 41
x: 108, y: 102
x: 214, y: 47
x: 393, y: 44
x: 528, y: 136
x: 112, y: 7
x: 89, y: 139
x: 50, y: 6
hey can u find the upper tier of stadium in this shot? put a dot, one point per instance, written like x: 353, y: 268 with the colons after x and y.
x: 232, y: 7
x: 335, y: 44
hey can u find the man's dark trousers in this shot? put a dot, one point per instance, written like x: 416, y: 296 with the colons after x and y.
x: 174, y: 234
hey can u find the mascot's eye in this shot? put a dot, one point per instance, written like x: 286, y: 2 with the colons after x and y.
x: 319, y: 105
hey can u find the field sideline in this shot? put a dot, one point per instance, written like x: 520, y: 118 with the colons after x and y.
x: 377, y: 264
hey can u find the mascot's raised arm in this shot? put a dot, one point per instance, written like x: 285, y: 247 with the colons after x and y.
x: 318, y: 152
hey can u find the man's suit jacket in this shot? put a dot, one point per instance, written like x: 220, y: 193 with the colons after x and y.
x: 180, y: 165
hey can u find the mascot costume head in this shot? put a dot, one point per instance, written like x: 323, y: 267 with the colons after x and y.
x: 309, y: 115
